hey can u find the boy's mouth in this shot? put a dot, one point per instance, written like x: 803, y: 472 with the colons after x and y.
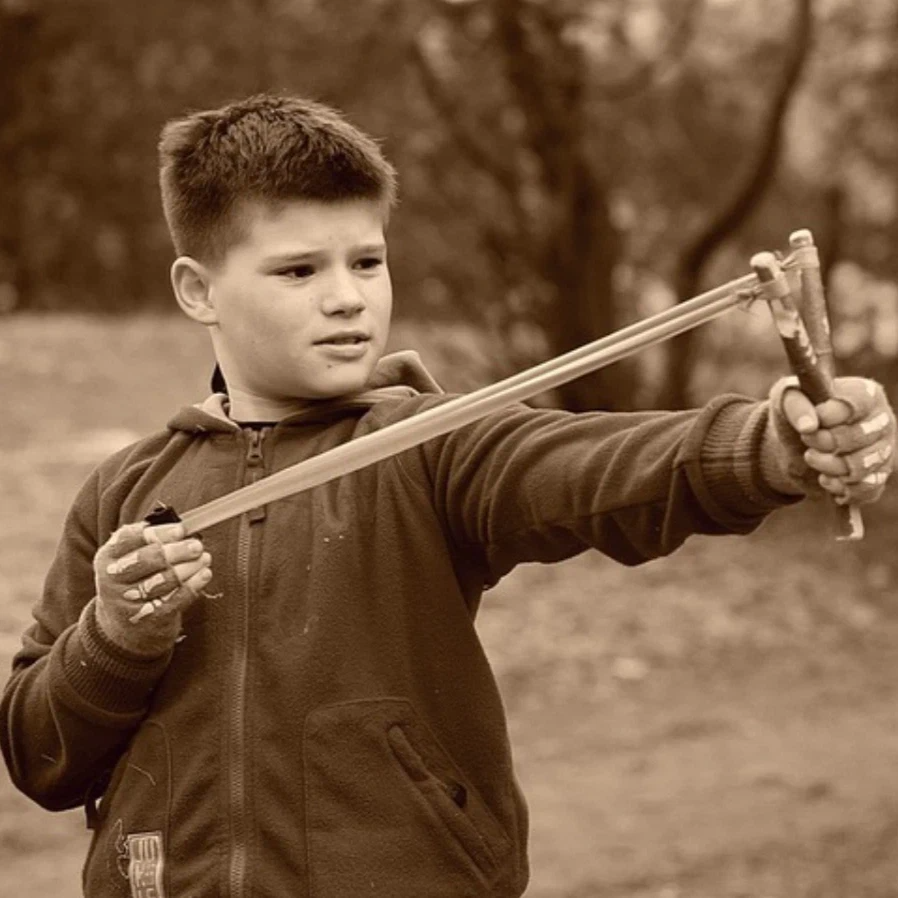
x: 345, y: 346
x: 347, y: 338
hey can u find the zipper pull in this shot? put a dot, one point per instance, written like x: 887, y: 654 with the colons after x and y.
x: 255, y: 461
x: 254, y: 457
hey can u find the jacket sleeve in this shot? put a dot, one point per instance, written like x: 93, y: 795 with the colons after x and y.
x: 543, y: 485
x: 73, y: 699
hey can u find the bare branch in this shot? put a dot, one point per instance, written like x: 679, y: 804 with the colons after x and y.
x: 748, y: 193
x: 742, y: 201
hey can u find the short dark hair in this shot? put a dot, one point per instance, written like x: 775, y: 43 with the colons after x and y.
x: 264, y: 148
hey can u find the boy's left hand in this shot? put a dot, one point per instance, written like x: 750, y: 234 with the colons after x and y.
x: 845, y: 446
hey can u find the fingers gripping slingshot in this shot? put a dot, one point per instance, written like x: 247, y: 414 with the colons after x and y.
x: 770, y: 281
x: 150, y: 565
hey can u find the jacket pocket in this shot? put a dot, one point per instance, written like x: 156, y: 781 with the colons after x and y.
x: 135, y: 806
x: 389, y: 812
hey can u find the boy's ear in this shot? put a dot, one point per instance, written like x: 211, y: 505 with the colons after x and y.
x: 191, y: 283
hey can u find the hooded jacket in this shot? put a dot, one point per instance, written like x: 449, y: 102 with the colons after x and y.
x: 328, y: 725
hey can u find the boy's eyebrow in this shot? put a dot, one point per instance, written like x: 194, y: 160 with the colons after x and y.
x: 303, y: 254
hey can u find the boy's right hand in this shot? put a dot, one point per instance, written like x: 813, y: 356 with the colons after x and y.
x: 141, y: 564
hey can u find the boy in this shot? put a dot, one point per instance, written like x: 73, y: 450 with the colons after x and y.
x: 317, y: 718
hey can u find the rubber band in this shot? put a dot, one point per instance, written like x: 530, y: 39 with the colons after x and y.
x: 775, y: 289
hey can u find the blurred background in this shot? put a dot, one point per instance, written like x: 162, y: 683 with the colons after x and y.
x: 720, y: 723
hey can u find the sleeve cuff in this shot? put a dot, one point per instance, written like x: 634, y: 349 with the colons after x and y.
x: 101, y: 678
x: 732, y: 461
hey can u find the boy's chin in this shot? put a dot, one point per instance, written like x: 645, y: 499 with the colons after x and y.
x: 334, y: 387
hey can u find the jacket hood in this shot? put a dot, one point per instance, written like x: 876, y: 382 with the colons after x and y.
x: 399, y: 375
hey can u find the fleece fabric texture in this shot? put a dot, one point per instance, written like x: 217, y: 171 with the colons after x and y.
x: 329, y: 725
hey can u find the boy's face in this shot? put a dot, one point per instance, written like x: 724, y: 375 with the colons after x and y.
x: 302, y: 303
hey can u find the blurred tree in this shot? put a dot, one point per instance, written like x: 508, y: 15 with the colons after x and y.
x: 103, y: 78
x: 550, y: 229
x: 566, y: 165
x: 854, y: 100
x: 585, y: 114
x: 740, y: 199
x: 19, y: 23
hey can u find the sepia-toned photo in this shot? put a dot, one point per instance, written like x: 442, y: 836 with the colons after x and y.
x: 446, y: 448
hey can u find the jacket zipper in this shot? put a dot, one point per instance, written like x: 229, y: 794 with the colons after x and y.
x: 239, y: 815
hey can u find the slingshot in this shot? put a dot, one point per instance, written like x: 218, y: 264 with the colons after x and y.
x: 773, y: 280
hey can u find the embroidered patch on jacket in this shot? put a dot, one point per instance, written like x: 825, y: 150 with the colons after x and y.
x: 145, y: 863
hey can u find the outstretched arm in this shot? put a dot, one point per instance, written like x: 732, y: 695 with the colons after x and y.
x: 543, y: 485
x: 535, y: 485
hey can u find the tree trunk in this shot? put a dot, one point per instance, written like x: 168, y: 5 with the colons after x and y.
x: 580, y: 259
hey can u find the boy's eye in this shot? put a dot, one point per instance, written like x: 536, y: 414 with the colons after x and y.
x: 369, y: 262
x: 298, y: 271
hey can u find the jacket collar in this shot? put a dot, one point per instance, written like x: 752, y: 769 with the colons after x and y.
x: 399, y: 375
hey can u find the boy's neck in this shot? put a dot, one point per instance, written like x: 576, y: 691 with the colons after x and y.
x: 243, y: 406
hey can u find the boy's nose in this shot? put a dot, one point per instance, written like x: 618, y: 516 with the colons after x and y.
x: 343, y: 298
x: 344, y: 304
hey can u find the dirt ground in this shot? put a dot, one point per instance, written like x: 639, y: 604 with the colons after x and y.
x: 719, y: 724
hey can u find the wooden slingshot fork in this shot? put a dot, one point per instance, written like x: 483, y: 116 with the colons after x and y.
x: 794, y: 292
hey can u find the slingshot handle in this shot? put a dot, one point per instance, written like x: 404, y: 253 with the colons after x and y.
x: 815, y: 312
x: 815, y: 380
